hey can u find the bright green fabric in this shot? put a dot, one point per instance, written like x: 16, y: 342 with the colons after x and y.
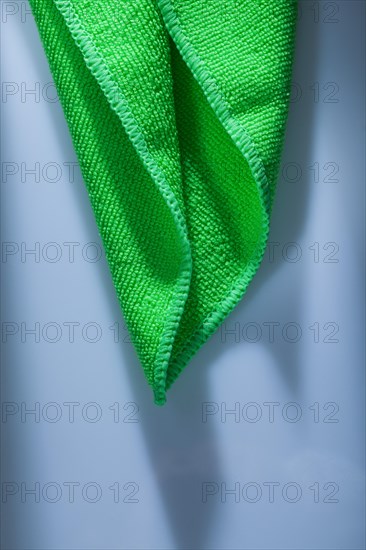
x: 177, y: 111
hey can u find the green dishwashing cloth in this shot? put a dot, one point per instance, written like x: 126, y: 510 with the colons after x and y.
x: 177, y: 110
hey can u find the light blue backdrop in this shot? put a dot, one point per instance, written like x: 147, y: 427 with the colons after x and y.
x: 96, y: 465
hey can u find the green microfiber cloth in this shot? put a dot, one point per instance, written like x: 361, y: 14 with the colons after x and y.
x: 177, y: 110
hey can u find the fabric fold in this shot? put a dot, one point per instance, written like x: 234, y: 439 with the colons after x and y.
x: 177, y: 112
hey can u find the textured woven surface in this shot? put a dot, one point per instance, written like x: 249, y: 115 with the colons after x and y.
x: 177, y: 111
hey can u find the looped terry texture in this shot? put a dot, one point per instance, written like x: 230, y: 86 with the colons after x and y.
x: 177, y: 111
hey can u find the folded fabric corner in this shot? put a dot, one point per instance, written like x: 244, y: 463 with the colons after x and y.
x: 177, y: 111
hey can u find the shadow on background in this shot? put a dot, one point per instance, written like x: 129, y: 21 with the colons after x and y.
x: 182, y: 453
